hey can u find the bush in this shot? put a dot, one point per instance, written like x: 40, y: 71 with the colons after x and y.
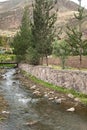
x: 32, y: 56
x: 61, y: 49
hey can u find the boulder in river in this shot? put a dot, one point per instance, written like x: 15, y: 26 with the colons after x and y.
x: 72, y: 109
x: 5, y: 112
x: 58, y: 101
x: 31, y: 123
x: 33, y: 87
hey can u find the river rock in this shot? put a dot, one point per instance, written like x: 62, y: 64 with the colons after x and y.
x: 70, y: 95
x: 31, y: 123
x: 5, y: 112
x: 77, y: 99
x: 51, y: 98
x: 14, y: 82
x: 37, y: 93
x: 3, y: 77
x: 58, y: 101
x: 56, y: 97
x: 51, y: 92
x: 33, y: 87
x: 46, y: 95
x: 72, y: 109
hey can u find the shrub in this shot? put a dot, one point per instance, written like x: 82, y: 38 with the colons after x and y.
x: 32, y: 56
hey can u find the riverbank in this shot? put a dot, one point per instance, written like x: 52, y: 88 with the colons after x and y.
x: 3, y: 109
x: 65, y: 101
x: 3, y: 102
x: 31, y: 108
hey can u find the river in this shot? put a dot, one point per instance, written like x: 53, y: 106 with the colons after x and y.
x: 30, y: 113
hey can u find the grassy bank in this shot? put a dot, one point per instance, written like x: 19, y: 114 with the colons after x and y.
x: 7, y: 57
x: 3, y: 107
x: 7, y: 66
x: 82, y: 97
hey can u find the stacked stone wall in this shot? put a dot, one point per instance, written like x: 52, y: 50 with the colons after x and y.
x: 75, y: 79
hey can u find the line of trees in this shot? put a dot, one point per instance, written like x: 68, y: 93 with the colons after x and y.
x: 36, y: 38
x: 75, y: 40
x: 75, y: 43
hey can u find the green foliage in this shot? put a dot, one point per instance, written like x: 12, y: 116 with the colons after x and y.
x: 1, y: 41
x: 4, y: 41
x: 36, y: 35
x: 32, y: 56
x: 43, y: 26
x: 22, y: 39
x: 61, y: 50
x: 7, y: 58
x: 8, y: 65
x: 80, y: 16
x: 75, y: 39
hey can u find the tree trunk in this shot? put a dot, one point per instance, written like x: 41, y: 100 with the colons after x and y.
x: 41, y: 61
x: 80, y: 60
x: 80, y: 54
x: 46, y: 60
x: 63, y: 63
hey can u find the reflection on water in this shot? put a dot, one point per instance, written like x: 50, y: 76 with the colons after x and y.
x: 24, y: 110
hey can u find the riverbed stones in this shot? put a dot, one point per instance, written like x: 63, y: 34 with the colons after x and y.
x: 31, y: 123
x: 51, y: 92
x: 3, y: 108
x: 5, y: 112
x: 33, y: 87
x: 14, y: 83
x: 51, y: 98
x: 37, y: 93
x: 72, y: 109
x: 70, y: 95
x: 58, y: 101
x: 77, y: 99
x: 46, y: 95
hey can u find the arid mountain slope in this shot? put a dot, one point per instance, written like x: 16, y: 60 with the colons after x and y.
x: 11, y: 12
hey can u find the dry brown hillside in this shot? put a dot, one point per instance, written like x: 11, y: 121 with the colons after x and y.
x: 11, y: 13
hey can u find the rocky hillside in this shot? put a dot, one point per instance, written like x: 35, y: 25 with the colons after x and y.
x: 11, y: 12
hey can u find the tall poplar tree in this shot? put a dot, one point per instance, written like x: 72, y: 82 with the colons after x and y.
x: 43, y: 27
x: 22, y: 39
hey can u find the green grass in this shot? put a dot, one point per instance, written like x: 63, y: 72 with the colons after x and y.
x: 7, y: 65
x: 7, y: 57
x: 82, y: 97
x: 2, y: 119
x: 66, y: 68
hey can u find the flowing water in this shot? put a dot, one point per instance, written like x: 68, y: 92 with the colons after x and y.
x: 25, y: 109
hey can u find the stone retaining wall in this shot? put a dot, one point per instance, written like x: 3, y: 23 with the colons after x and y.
x: 64, y: 78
